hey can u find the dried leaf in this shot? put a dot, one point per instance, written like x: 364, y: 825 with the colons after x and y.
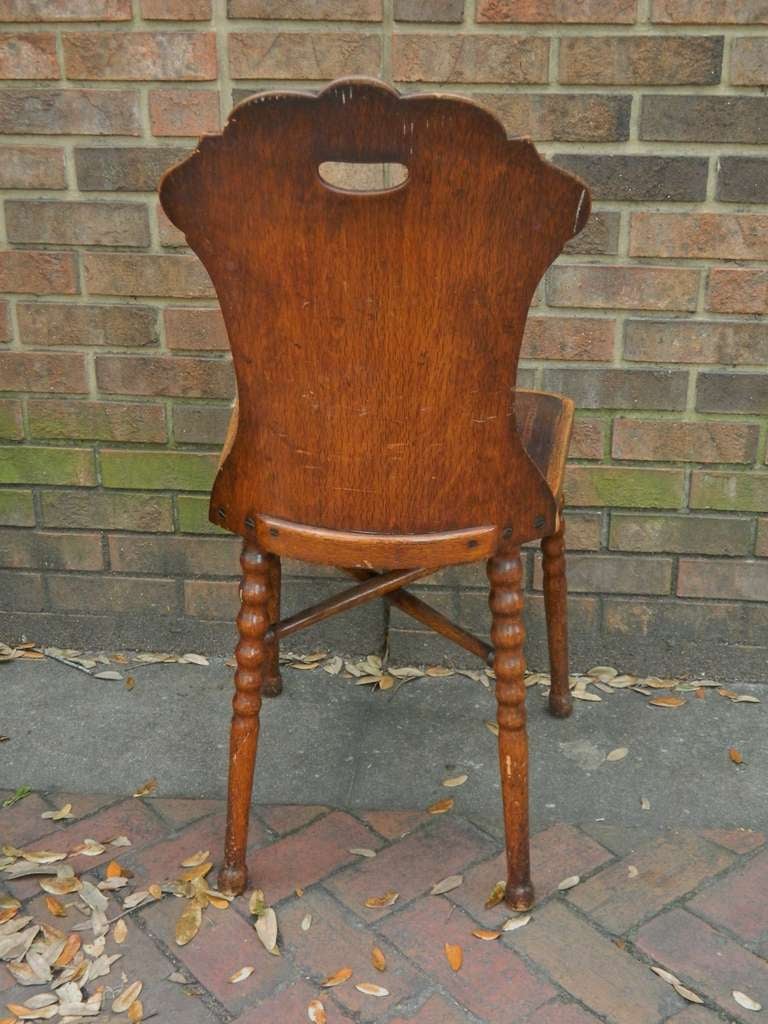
x: 516, y: 922
x: 148, y: 787
x: 569, y: 883
x: 42, y: 856
x: 60, y: 815
x: 485, y: 934
x: 334, y: 666
x: 586, y: 695
x: 67, y: 954
x: 337, y: 978
x: 369, y: 989
x: 496, y: 895
x: 603, y: 672
x: 178, y: 978
x: 193, y: 659
x: 492, y: 727
x: 616, y: 755
x: 666, y: 976
x: 120, y: 932
x: 25, y: 1013
x: 196, y: 859
x: 316, y: 1012
x: 735, y: 755
x: 361, y: 851
x: 667, y: 701
x: 257, y: 902
x: 266, y: 929
x: 730, y: 694
x: 454, y: 955
x: 446, y: 885
x: 645, y: 803
x: 136, y: 1012
x: 306, y: 922
x: 455, y: 780
x: 88, y: 848
x: 441, y: 806
x: 632, y: 871
x: 242, y: 974
x: 745, y: 698
x: 439, y: 671
x: 386, y: 682
x: 378, y: 959
x: 188, y: 924
x: 687, y: 993
x: 129, y: 995
x: 377, y: 902
x: 192, y: 874
x: 746, y: 1001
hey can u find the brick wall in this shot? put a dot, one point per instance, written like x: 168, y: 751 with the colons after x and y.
x: 113, y: 362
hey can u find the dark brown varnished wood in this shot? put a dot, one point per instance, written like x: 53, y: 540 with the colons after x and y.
x: 375, y: 339
x: 251, y: 657
x: 555, y: 603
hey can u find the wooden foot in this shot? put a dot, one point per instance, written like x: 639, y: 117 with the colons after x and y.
x: 273, y: 681
x: 556, y: 604
x: 250, y: 655
x: 505, y: 573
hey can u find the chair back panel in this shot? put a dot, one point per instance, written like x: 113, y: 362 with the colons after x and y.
x: 375, y: 335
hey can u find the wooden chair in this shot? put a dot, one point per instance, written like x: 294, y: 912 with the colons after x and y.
x: 375, y: 338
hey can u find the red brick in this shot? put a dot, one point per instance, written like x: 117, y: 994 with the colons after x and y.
x: 43, y: 371
x: 310, y: 10
x: 22, y: 592
x: 195, y: 329
x: 394, y: 824
x: 667, y: 441
x: 592, y: 969
x: 593, y: 12
x: 336, y: 939
x: 58, y: 323
x: 640, y: 60
x: 493, y: 982
x: 32, y: 167
x: 305, y: 857
x: 124, y: 168
x: 619, y: 389
x: 703, y: 118
x: 309, y: 55
x: 588, y: 439
x: 734, y: 903
x: 181, y: 811
x: 38, y: 273
x: 571, y: 338
x: 184, y: 111
x: 290, y: 1004
x: 668, y: 868
x: 724, y: 579
x: 710, y: 963
x: 562, y: 1013
x: 65, y: 10
x: 35, y: 549
x: 69, y: 112
x: 107, y: 510
x: 96, y: 421
x: 470, y: 58
x: 732, y: 290
x: 599, y: 238
x: 605, y: 287
x: 176, y: 10
x: 30, y: 55
x: 695, y: 1015
x: 639, y: 178
x: 699, y: 236
x: 709, y: 12
x: 6, y: 330
x: 450, y: 11
x: 624, y: 486
x: 54, y: 222
x: 22, y: 823
x: 556, y: 853
x: 177, y: 376
x: 211, y: 599
x: 167, y: 231
x: 148, y: 596
x: 179, y: 556
x: 562, y: 117
x: 200, y: 424
x: 681, y: 534
x: 410, y: 867
x: 285, y: 818
x: 761, y: 547
x: 740, y: 840
x: 181, y: 277
x: 11, y: 419
x: 138, y: 56
x: 436, y: 1010
x: 614, y: 574
x: 749, y: 56
x: 695, y: 341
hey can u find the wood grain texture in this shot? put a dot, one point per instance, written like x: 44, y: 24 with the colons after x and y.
x: 556, y: 607
x: 273, y: 680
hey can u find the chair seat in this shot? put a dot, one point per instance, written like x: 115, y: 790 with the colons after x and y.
x: 544, y: 423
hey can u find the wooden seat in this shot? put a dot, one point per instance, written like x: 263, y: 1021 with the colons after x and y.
x: 375, y: 337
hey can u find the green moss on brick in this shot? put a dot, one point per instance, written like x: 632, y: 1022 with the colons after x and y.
x: 732, y: 492
x: 27, y: 464
x: 16, y: 508
x: 193, y: 515
x: 151, y: 471
x: 617, y: 486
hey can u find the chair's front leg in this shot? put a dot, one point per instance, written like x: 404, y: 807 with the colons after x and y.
x: 250, y: 655
x: 505, y: 573
x: 556, y: 606
x: 273, y: 681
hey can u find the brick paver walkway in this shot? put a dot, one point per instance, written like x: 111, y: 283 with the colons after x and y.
x: 693, y: 903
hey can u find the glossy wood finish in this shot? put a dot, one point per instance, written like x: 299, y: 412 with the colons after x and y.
x: 505, y: 574
x: 375, y: 339
x: 555, y: 603
x: 251, y: 656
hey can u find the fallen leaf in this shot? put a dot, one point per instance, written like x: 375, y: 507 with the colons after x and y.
x: 115, y: 870
x: 257, y: 903
x: 316, y: 1012
x: 603, y: 672
x: 361, y: 851
x: 177, y: 978
x: 130, y: 682
x: 632, y: 871
x: 454, y: 955
x: 120, y: 932
x: 645, y: 803
x: 735, y: 755
x: 42, y: 856
x: 369, y: 989
x: 129, y: 995
x: 196, y: 859
x: 687, y: 993
x: 55, y: 907
x: 193, y: 659
x: 456, y: 780
x: 337, y: 978
x: 730, y: 694
x: 378, y: 959
x: 266, y: 929
x: 60, y: 815
x: 191, y: 874
x: 492, y: 727
x: 586, y: 695
x: 746, y: 1001
x: 135, y: 1012
x: 188, y: 925
x: 485, y: 934
x: 306, y: 922
x: 441, y: 806
x: 446, y: 885
x: 109, y: 674
x: 496, y: 895
x: 242, y: 974
x: 516, y: 922
x: 667, y: 701
x: 569, y: 883
x: 386, y: 682
x: 377, y: 902
x: 149, y: 787
x: 616, y: 755
x: 439, y: 671
x: 745, y: 698
x: 334, y: 666
x: 667, y: 976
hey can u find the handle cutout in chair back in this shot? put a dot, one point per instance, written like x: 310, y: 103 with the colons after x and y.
x: 358, y: 177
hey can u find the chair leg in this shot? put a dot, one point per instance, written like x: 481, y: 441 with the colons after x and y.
x: 250, y: 655
x: 273, y: 681
x: 505, y: 574
x: 556, y: 605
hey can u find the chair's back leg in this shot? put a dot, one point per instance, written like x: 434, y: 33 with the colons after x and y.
x: 273, y: 681
x: 505, y: 573
x: 556, y: 605
x: 250, y: 655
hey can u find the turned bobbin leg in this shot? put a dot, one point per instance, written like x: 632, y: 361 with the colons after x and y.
x: 273, y: 681
x: 505, y: 573
x: 556, y: 605
x: 250, y: 655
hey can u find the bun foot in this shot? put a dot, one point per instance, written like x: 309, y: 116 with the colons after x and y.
x: 560, y: 706
x: 273, y: 686
x: 519, y: 897
x: 233, y: 879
